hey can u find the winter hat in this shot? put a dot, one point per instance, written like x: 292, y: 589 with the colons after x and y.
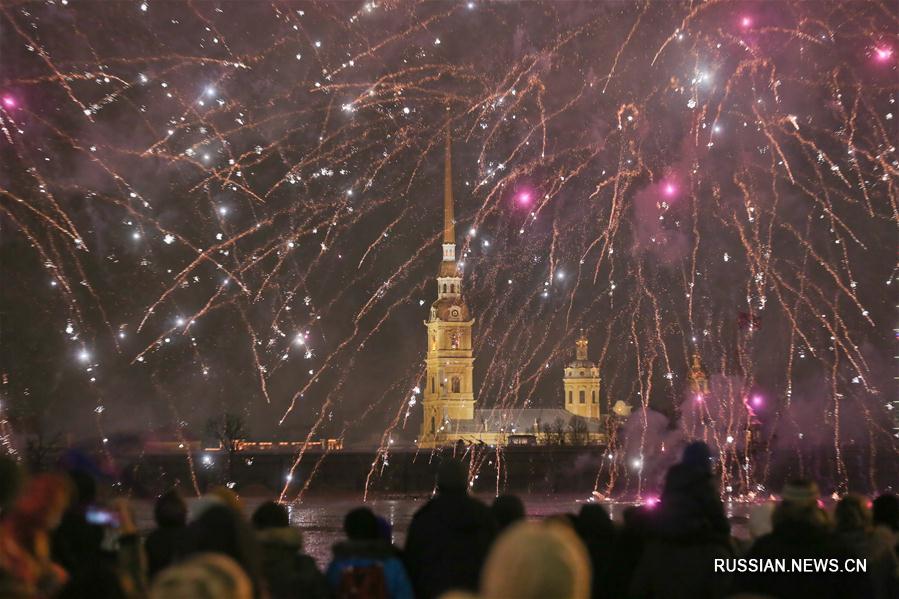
x: 361, y: 524
x: 206, y: 575
x: 697, y: 454
x: 229, y: 498
x: 271, y: 514
x: 507, y: 510
x: 201, y: 505
x: 801, y: 492
x: 537, y: 561
x: 760, y: 519
x: 451, y: 476
x: 886, y: 510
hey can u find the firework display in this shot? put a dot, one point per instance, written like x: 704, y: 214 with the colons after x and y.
x: 213, y: 207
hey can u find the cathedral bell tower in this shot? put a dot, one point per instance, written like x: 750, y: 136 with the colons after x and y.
x: 449, y: 387
x: 581, y: 383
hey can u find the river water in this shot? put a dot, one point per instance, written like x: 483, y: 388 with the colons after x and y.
x: 321, y: 519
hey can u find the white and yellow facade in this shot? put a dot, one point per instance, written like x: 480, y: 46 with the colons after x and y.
x: 449, y: 413
x: 581, y: 383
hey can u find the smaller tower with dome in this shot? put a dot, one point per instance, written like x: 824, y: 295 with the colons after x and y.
x: 581, y: 383
x: 697, y: 381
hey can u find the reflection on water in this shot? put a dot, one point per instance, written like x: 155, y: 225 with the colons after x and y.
x: 321, y: 520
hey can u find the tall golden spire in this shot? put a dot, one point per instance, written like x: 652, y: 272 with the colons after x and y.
x: 449, y: 228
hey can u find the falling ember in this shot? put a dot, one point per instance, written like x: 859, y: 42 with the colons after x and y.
x: 9, y: 101
x: 746, y: 22
x: 670, y: 190
x: 523, y: 198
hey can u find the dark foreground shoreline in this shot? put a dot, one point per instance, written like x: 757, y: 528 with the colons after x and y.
x: 523, y: 470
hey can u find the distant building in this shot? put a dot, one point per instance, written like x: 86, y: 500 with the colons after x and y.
x: 156, y: 445
x: 449, y: 395
x: 581, y: 383
x: 697, y: 380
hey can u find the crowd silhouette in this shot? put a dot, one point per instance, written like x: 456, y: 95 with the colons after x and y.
x: 57, y: 542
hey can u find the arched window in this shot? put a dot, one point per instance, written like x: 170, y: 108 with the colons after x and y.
x: 432, y: 425
x: 593, y: 393
x: 452, y: 288
x: 456, y: 385
x: 444, y: 288
x: 569, y: 397
x: 582, y: 396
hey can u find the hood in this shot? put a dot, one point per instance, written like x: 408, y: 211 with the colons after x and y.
x: 460, y: 512
x: 798, y: 532
x: 686, y: 508
x: 286, y: 537
x: 684, y: 478
x: 201, y: 505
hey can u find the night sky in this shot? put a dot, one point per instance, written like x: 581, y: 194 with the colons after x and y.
x: 236, y: 206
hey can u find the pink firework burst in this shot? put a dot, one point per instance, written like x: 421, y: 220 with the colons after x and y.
x: 883, y: 53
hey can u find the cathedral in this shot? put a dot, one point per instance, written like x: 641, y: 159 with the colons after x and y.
x: 449, y: 399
